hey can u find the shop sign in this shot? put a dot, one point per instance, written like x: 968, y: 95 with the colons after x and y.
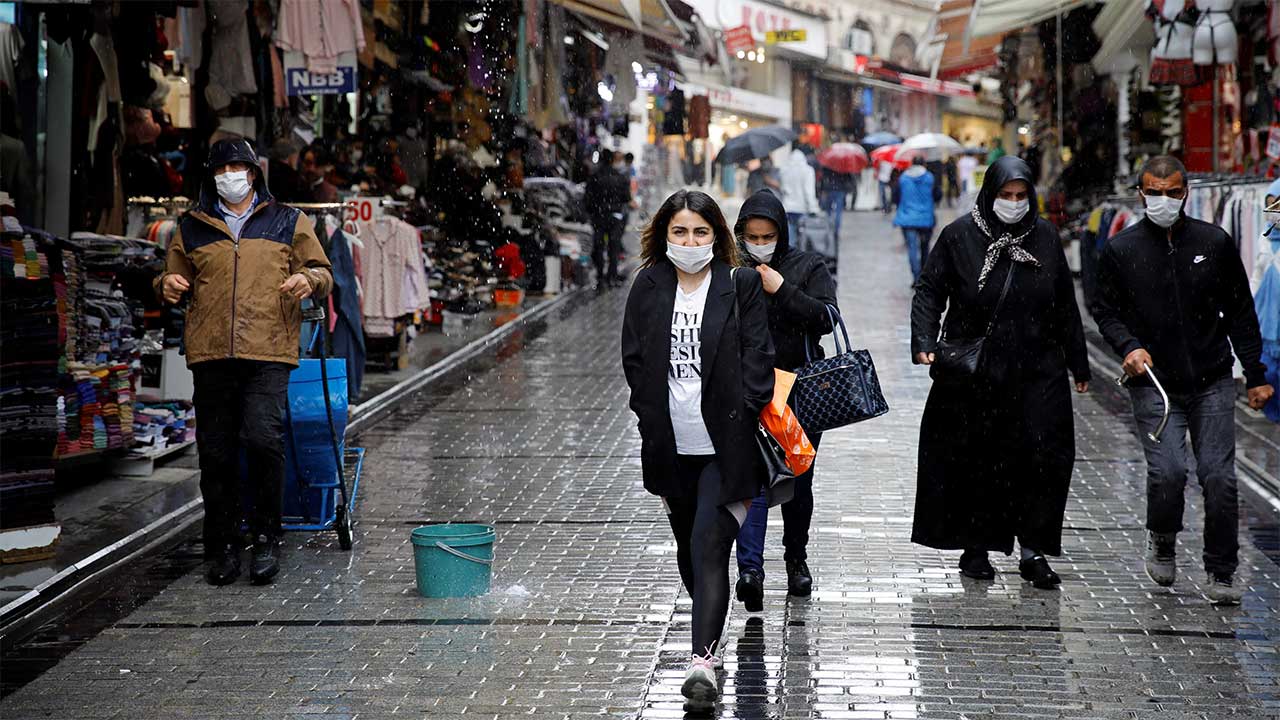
x: 762, y: 16
x: 1273, y: 143
x: 773, y: 37
x: 935, y: 86
x: 737, y: 100
x: 300, y: 81
x: 739, y: 39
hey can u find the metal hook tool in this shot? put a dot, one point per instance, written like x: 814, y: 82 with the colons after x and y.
x: 1153, y: 436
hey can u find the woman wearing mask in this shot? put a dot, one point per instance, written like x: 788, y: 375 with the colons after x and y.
x: 700, y: 369
x: 997, y: 448
x: 798, y: 288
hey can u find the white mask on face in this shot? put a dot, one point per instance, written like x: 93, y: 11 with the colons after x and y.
x: 233, y: 186
x: 690, y: 259
x: 763, y: 253
x: 1011, y: 211
x: 1163, y: 210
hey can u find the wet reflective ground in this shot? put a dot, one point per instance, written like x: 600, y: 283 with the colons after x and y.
x: 586, y: 619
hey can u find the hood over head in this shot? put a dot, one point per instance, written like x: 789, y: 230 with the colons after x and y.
x: 223, y: 152
x: 764, y: 204
x: 915, y: 171
x: 1004, y: 170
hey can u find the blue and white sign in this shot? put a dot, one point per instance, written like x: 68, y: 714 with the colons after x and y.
x: 298, y: 80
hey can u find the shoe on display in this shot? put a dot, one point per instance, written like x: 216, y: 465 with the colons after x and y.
x: 266, y: 560
x: 224, y: 567
x: 974, y: 564
x: 1223, y: 589
x: 1037, y: 571
x: 750, y: 590
x: 699, y: 689
x: 799, y: 580
x: 1162, y: 558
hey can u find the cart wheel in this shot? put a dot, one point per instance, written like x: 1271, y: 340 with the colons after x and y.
x: 342, y: 522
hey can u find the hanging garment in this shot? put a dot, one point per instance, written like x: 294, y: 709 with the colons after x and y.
x: 1171, y: 57
x: 10, y: 53
x: 231, y: 58
x: 321, y: 30
x: 394, y: 275
x: 346, y: 327
x: 1215, y: 41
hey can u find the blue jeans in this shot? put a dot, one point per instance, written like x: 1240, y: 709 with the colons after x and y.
x: 917, y: 240
x: 1209, y: 416
x: 886, y: 197
x: 833, y: 204
x: 797, y: 514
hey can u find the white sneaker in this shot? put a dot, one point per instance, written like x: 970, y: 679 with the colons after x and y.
x: 1162, y: 559
x: 1224, y: 590
x: 699, y: 689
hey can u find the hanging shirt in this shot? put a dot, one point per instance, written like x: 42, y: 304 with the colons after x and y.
x: 393, y: 274
x: 321, y: 30
x: 684, y: 377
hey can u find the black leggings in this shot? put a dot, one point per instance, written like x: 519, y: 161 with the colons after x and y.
x: 704, y: 532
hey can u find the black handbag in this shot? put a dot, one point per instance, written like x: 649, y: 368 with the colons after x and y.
x: 839, y: 390
x: 772, y: 454
x: 963, y: 358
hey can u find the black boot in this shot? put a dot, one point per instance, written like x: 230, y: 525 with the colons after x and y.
x: 974, y: 564
x: 224, y: 566
x: 799, y: 581
x: 1037, y: 571
x: 751, y: 590
x: 266, y: 560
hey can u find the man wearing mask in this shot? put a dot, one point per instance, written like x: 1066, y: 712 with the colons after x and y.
x: 248, y: 262
x: 1173, y: 296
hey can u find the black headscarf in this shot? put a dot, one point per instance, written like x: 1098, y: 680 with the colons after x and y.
x: 764, y: 204
x: 1002, y: 235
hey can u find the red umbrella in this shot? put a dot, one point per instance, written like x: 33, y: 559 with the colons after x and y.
x: 894, y: 154
x: 845, y: 158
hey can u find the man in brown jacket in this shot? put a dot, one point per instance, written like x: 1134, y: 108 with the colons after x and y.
x: 247, y: 262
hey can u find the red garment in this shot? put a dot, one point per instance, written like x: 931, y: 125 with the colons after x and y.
x: 509, y: 261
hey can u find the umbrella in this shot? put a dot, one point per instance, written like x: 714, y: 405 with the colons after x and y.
x: 895, y: 154
x: 933, y: 145
x: 754, y: 143
x: 880, y: 138
x: 844, y: 158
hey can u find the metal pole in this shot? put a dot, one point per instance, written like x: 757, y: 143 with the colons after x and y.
x: 1061, y: 134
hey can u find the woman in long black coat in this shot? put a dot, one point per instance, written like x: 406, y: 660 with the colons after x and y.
x: 996, y: 450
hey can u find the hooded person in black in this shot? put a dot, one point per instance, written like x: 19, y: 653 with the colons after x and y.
x: 997, y: 449
x: 798, y: 288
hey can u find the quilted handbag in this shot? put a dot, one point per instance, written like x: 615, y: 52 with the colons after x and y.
x: 839, y: 390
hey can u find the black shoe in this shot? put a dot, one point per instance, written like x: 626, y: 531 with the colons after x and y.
x: 751, y: 591
x: 1037, y: 571
x: 224, y: 566
x: 266, y: 560
x: 974, y: 564
x: 799, y: 581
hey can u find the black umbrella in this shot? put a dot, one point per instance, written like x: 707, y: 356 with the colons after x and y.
x: 755, y: 143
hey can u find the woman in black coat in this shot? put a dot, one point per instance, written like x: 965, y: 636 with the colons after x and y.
x: 798, y: 288
x: 996, y: 450
x: 700, y: 372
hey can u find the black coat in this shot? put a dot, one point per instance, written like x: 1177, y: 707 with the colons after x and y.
x: 737, y: 376
x: 799, y: 309
x: 996, y: 454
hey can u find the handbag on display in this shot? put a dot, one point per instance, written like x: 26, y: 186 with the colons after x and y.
x: 963, y: 358
x: 839, y: 390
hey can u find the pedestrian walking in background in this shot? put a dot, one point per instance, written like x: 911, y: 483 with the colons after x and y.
x: 764, y: 177
x: 799, y: 190
x: 915, y: 213
x: 997, y: 445
x: 884, y: 176
x: 952, y: 171
x: 248, y: 263
x: 1173, y: 295
x: 798, y: 288
x: 699, y: 363
x: 832, y: 187
x: 607, y: 196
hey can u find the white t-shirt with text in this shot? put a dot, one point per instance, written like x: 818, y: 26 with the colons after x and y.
x: 684, y: 375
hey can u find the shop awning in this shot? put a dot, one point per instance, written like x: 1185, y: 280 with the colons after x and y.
x: 994, y: 17
x: 957, y: 60
x: 1126, y: 36
x: 654, y: 19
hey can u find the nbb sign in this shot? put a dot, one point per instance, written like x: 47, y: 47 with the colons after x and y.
x: 298, y: 80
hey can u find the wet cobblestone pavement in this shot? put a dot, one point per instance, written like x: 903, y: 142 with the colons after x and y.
x: 586, y: 619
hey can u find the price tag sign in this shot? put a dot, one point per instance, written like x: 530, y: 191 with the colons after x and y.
x: 1273, y: 142
x: 739, y: 38
x: 773, y: 37
x: 363, y: 209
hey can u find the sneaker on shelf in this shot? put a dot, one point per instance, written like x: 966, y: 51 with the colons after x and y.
x: 1162, y: 558
x: 1223, y: 589
x: 799, y: 580
x: 700, y: 690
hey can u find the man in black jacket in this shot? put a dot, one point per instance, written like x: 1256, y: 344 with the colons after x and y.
x: 1174, y: 296
x: 607, y: 196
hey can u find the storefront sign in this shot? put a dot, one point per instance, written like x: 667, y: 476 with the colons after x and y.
x: 300, y: 81
x: 739, y: 39
x: 937, y: 87
x: 773, y: 37
x: 1273, y: 143
x: 763, y: 17
x: 737, y: 100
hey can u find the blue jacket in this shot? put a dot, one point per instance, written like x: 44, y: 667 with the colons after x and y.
x: 915, y: 210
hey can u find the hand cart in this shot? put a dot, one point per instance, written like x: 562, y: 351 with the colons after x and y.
x: 318, y: 466
x: 1153, y: 436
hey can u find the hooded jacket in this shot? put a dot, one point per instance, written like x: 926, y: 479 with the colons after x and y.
x: 799, y: 185
x: 799, y: 309
x: 236, y: 308
x: 915, y: 204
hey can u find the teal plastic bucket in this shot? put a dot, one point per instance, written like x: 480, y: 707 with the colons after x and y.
x: 453, y: 559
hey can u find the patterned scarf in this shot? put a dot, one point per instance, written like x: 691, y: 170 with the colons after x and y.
x: 1016, y: 251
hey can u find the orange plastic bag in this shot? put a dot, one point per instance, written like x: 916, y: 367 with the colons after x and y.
x: 781, y: 423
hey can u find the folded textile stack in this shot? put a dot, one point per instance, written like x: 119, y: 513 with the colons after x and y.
x: 157, y: 426
x: 98, y: 408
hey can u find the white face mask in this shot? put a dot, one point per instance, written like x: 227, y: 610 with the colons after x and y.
x: 1011, y: 211
x: 763, y: 253
x: 690, y: 259
x: 1163, y: 210
x: 233, y: 186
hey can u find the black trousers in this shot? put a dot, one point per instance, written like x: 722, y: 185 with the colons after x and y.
x: 704, y: 532
x: 607, y: 240
x: 239, y: 408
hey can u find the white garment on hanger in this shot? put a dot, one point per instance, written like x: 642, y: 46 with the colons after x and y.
x: 1215, y: 40
x: 1173, y: 39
